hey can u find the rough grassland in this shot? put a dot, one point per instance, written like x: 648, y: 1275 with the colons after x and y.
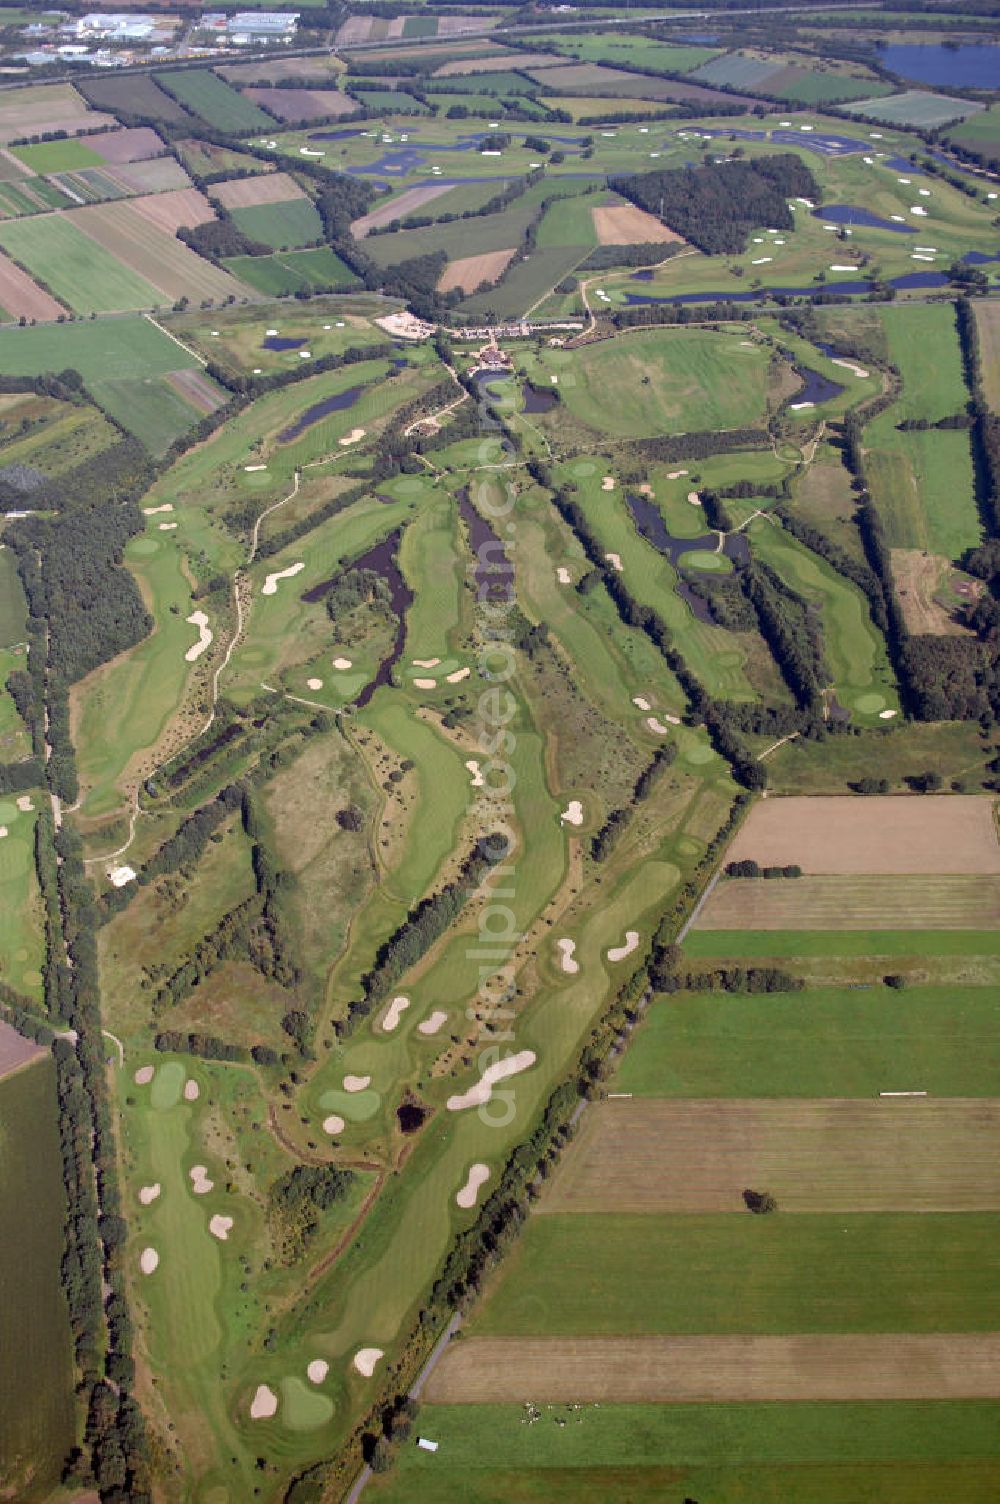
x: 834, y: 1154
x: 36, y: 1374
x: 852, y: 902
x: 876, y: 835
x: 747, y: 1275
x: 824, y: 1042
x: 602, y: 1370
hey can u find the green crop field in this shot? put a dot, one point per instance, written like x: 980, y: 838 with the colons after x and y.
x: 201, y: 92
x: 58, y: 156
x: 280, y: 225
x: 77, y: 269
x: 915, y: 107
x: 889, y: 943
x: 13, y: 607
x: 294, y: 271
x: 107, y: 349
x: 150, y: 409
x: 37, y: 1426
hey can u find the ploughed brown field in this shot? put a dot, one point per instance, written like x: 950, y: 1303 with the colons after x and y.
x: 906, y: 834
x: 624, y: 224
x: 15, y: 1051
x: 158, y: 175
x: 19, y: 295
x: 853, y: 903
x: 247, y: 193
x: 407, y: 203
x: 133, y: 144
x: 469, y: 271
x: 905, y: 1154
x: 197, y: 389
x: 692, y: 1370
x: 293, y: 105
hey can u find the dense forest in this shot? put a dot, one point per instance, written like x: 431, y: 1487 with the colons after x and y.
x: 715, y: 207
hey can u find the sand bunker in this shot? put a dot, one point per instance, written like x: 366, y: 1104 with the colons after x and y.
x: 200, y: 620
x: 333, y: 1124
x: 149, y: 1193
x: 655, y: 725
x: 148, y: 1260
x: 192, y: 1091
x: 201, y: 1184
x: 615, y: 561
x: 342, y: 663
x: 619, y: 952
x: 573, y: 813
x: 566, y: 960
x: 849, y: 365
x: 24, y: 803
x: 220, y: 1227
x: 365, y: 1359
x: 645, y: 489
x: 676, y: 474
x: 252, y: 469
x: 394, y: 1013
x: 433, y: 1022
x: 694, y: 498
x: 608, y: 483
x: 314, y: 684
x: 317, y: 1370
x: 264, y: 1403
x: 641, y: 702
x: 477, y: 778
x: 353, y: 437
x: 167, y: 506
x: 479, y: 1174
x: 887, y: 715
x: 270, y: 585
x: 357, y: 1083
x: 563, y: 575
x: 458, y: 675
x: 167, y: 527
x: 3, y: 832
x: 479, y: 1094
x: 144, y: 1075
x: 426, y: 683
x: 426, y: 662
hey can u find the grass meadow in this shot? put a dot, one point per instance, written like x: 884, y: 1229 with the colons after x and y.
x: 283, y: 226
x: 104, y: 350
x: 79, y: 271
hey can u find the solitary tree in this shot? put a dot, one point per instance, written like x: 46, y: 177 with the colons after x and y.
x: 761, y: 1203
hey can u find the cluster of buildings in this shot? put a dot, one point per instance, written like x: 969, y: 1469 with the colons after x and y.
x: 118, y: 39
x: 251, y: 28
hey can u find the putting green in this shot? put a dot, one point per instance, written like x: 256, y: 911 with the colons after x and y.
x: 867, y: 704
x: 167, y: 1084
x: 358, y: 1106
x: 699, y: 753
x: 303, y: 1408
x: 703, y: 558
x: 408, y: 485
x: 583, y: 468
x: 8, y: 811
x: 145, y: 546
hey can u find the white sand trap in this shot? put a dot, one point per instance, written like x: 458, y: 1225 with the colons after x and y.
x: 264, y: 1403
x: 353, y: 437
x: 477, y: 778
x: 270, y: 333
x: 916, y: 256
x: 479, y: 1174
x: 458, y: 675
x: 849, y: 365
x: 200, y: 620
x: 3, y: 832
x: 671, y: 720
x: 566, y: 960
x: 924, y: 192
x: 192, y: 1091
x: 573, y: 813
x: 798, y: 407
x: 342, y: 663
x: 144, y: 1075
x: 148, y: 1194
x: 641, y: 702
x: 252, y: 469
x: 676, y: 474
x: 615, y: 561
x: 201, y: 1184
x: 426, y: 683
x: 619, y: 952
x: 305, y: 355
x: 24, y: 804
x: 760, y: 260
x: 645, y: 489
x: 657, y: 726
x: 843, y: 266
x: 479, y: 1094
x: 432, y: 1023
x: 886, y: 715
x: 608, y: 483
x: 694, y: 498
x: 148, y: 1260
x: 394, y: 1013
x: 220, y: 1227
x: 365, y: 1359
x: 167, y: 506
x: 357, y: 1083
x: 167, y: 527
x: 333, y: 1124
x: 921, y: 213
x: 319, y: 1367
x: 426, y: 662
x: 270, y: 585
x: 898, y: 218
x: 314, y: 684
x: 563, y: 575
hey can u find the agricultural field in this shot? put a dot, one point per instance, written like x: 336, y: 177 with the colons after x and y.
x: 284, y: 226
x: 134, y: 97
x: 202, y: 94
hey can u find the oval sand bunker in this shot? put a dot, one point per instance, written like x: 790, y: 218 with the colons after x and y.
x: 357, y: 1083
x: 332, y: 1124
x: 466, y: 1197
x: 365, y: 1359
x: 317, y: 1370
x: 573, y: 813
x: 200, y: 1182
x: 264, y: 1403
x: 480, y: 1092
x: 192, y: 1091
x: 149, y: 1193
x: 144, y: 1075
x: 220, y: 1227
x: 432, y: 1023
x: 148, y: 1260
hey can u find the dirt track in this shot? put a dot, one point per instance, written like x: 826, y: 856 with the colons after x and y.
x: 585, y: 1370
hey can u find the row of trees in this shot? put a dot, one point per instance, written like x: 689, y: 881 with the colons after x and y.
x: 607, y: 837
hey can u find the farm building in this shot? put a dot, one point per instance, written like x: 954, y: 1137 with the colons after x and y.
x: 248, y: 27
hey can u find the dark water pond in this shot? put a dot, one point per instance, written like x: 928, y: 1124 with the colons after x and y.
x: 646, y: 276
x: 337, y: 404
x: 824, y: 145
x: 904, y: 165
x: 844, y: 288
x: 978, y: 258
x: 960, y: 67
x: 380, y: 560
x: 536, y: 400
x: 493, y: 572
x: 278, y: 342
x: 849, y: 214
x: 817, y: 388
x: 650, y: 525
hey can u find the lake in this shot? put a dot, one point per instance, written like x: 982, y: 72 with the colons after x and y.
x: 960, y: 67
